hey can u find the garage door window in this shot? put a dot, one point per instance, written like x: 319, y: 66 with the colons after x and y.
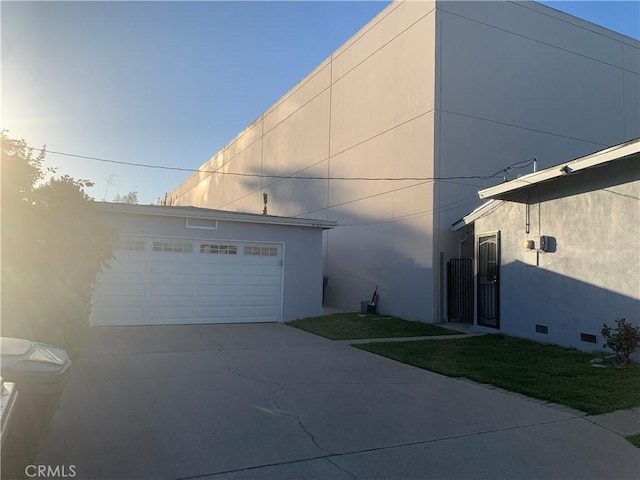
x: 173, y: 247
x: 261, y: 251
x: 218, y: 249
x: 130, y: 244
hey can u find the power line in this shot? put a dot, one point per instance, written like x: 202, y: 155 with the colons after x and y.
x: 365, y: 198
x: 505, y: 170
x: 272, y: 183
x: 410, y: 216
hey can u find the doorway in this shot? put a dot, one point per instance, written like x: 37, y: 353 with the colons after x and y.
x: 489, y: 280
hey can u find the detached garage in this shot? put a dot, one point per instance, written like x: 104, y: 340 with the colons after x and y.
x: 185, y: 265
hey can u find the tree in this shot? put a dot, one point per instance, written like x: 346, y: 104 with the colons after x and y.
x: 131, y: 198
x: 53, y: 246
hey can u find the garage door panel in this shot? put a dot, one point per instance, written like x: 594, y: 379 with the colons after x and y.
x: 266, y: 301
x: 214, y: 312
x: 257, y: 270
x: 258, y: 290
x: 171, y: 290
x: 172, y: 301
x: 216, y: 301
x: 257, y: 261
x: 171, y: 268
x: 178, y: 313
x: 272, y: 280
x: 147, y: 287
x: 213, y: 280
x: 259, y: 314
x: 170, y: 279
x: 218, y: 290
x: 217, y: 261
x: 172, y: 257
x: 217, y: 268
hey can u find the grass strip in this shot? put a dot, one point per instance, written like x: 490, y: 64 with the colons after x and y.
x: 548, y: 372
x: 353, y: 326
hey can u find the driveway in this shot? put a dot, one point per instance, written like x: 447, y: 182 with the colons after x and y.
x: 264, y: 401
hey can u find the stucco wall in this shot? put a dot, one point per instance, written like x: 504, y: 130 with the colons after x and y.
x: 426, y: 89
x: 518, y: 80
x: 302, y: 282
x: 367, y: 111
x: 590, y: 277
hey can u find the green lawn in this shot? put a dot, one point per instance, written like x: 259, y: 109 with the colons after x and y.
x: 352, y: 326
x: 548, y: 372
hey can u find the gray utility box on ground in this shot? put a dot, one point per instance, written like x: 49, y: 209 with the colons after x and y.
x: 39, y: 373
x: 368, y: 307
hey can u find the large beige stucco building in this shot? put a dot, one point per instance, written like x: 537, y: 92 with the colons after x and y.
x: 445, y: 93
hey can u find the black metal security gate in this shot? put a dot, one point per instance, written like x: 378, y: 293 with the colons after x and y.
x: 460, y: 290
x: 489, y: 280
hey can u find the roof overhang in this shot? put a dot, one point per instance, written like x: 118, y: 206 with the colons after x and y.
x: 602, y: 157
x: 206, y: 213
x: 479, y: 212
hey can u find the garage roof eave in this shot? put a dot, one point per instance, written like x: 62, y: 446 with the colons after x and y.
x: 207, y: 213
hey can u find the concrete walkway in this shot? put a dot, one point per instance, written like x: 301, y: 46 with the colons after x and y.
x: 269, y: 401
x: 622, y: 422
x: 407, y: 339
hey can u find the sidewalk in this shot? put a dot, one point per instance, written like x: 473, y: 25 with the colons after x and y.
x: 622, y: 422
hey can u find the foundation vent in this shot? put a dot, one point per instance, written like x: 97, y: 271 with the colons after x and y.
x: 588, y: 337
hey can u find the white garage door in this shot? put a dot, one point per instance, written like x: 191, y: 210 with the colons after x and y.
x: 167, y: 281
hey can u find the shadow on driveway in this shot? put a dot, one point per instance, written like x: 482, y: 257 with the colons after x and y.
x: 270, y: 401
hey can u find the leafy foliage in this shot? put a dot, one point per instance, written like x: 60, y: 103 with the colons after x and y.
x: 131, y: 198
x: 623, y: 340
x: 53, y: 246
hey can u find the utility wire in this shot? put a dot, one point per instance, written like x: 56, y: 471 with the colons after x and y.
x: 364, y: 198
x: 505, y: 170
x: 410, y: 216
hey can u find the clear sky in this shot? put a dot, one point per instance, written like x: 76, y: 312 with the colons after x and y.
x: 170, y: 83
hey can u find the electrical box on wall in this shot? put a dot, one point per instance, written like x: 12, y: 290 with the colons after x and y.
x: 542, y: 243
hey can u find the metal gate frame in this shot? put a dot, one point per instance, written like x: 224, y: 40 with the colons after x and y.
x: 488, y: 278
x: 460, y: 291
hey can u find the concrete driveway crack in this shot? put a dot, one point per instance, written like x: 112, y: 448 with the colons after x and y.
x: 297, y: 419
x: 306, y: 430
x: 282, y: 412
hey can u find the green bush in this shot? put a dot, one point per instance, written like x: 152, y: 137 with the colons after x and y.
x: 53, y: 246
x: 623, y: 340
